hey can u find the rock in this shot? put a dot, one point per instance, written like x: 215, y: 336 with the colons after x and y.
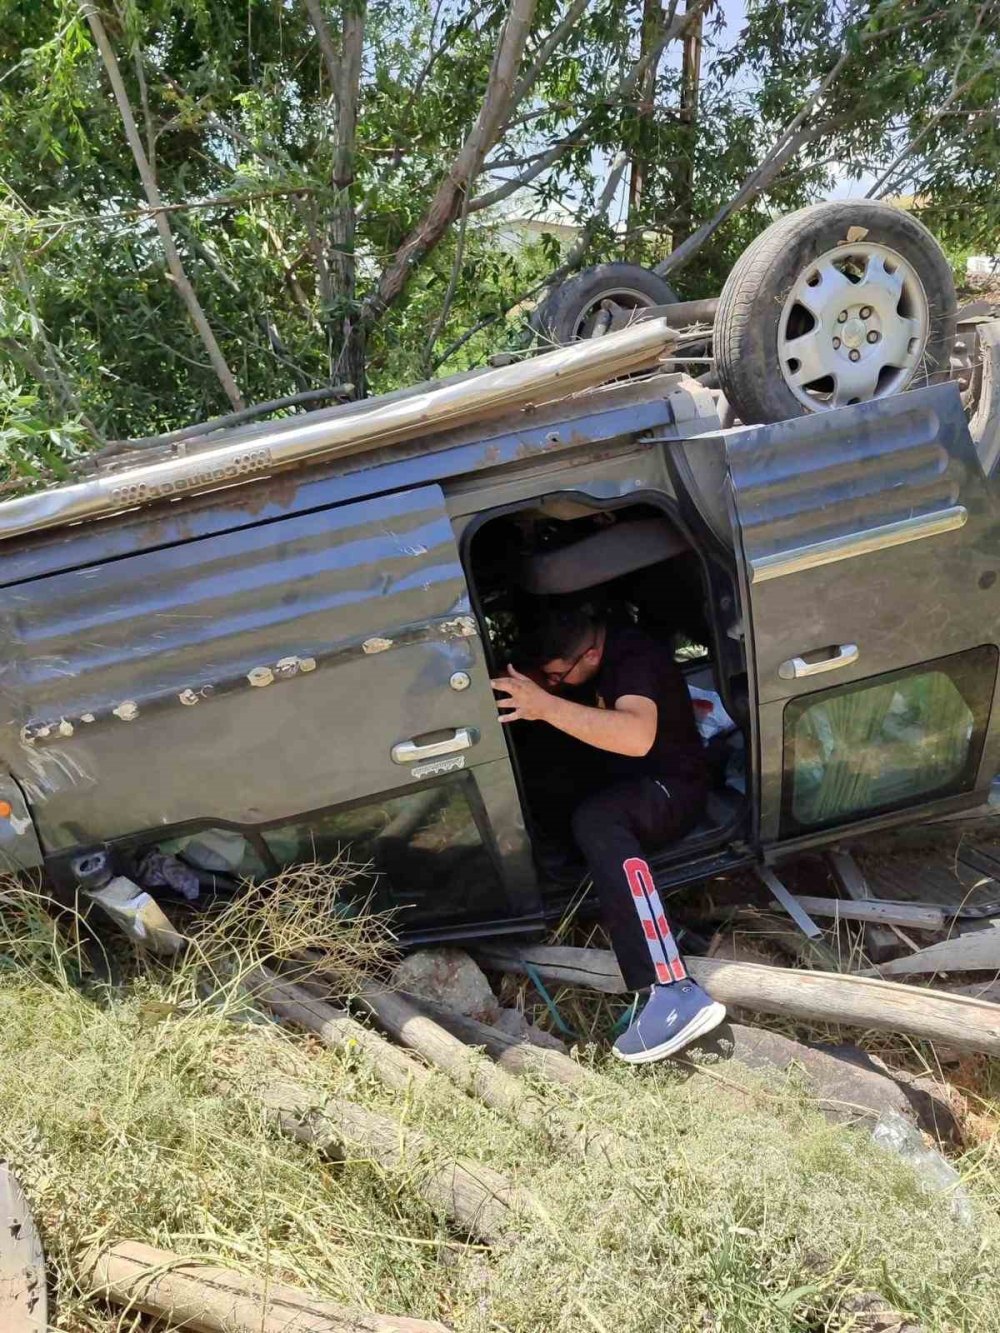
x: 514, y: 1023
x: 450, y: 977
x: 847, y: 1082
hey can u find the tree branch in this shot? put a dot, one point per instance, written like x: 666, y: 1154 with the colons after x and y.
x: 571, y: 262
x: 174, y: 265
x: 878, y: 189
x: 551, y: 156
x: 782, y: 151
x: 546, y: 50
x: 498, y: 103
x: 328, y: 51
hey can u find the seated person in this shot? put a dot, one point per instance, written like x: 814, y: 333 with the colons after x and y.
x: 641, y: 729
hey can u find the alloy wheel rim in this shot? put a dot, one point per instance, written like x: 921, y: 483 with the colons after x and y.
x: 853, y: 327
x: 629, y: 298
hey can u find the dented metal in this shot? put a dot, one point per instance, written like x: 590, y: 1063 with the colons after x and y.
x: 512, y: 388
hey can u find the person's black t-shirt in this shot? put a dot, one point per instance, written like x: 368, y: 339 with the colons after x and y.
x: 633, y: 663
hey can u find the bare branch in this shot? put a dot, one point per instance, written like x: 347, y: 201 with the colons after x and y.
x: 449, y: 295
x: 571, y: 262
x: 174, y: 265
x: 791, y: 139
x: 498, y: 102
x: 782, y: 151
x: 539, y: 165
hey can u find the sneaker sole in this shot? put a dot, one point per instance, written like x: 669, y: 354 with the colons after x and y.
x: 710, y: 1019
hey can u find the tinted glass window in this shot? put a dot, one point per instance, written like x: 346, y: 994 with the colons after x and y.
x: 887, y: 742
x: 424, y: 852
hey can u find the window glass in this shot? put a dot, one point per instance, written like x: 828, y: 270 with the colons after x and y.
x: 887, y: 742
x: 423, y: 852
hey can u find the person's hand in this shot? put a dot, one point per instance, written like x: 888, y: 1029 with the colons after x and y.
x: 527, y: 701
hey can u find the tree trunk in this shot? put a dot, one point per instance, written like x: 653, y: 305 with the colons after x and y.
x: 335, y: 1029
x: 863, y: 1002
x: 350, y: 362
x: 478, y: 1076
x: 642, y: 149
x: 690, y: 88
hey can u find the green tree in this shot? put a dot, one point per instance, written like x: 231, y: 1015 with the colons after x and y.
x: 206, y: 203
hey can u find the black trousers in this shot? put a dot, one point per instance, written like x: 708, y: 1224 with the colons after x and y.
x: 616, y: 828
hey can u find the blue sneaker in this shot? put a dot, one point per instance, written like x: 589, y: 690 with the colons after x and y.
x: 672, y: 1017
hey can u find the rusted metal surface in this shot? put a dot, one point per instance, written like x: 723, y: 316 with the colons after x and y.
x: 555, y: 374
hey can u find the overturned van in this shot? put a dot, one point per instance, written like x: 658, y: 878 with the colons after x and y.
x: 276, y: 644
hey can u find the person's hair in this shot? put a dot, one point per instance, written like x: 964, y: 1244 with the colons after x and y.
x: 559, y: 633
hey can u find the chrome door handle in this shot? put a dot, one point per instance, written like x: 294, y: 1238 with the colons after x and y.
x: 844, y: 654
x: 409, y: 752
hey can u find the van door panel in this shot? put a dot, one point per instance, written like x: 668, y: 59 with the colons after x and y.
x: 870, y: 543
x: 248, y: 676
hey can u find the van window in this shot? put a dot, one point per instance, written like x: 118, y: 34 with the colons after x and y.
x: 423, y: 852
x: 888, y: 741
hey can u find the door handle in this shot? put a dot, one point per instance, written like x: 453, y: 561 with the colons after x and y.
x: 409, y: 752
x: 841, y: 655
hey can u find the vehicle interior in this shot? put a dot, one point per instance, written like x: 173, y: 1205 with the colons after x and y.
x: 637, y: 565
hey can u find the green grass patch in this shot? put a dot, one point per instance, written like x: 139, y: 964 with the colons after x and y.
x: 130, y: 1114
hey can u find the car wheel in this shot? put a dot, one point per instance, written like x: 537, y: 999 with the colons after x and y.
x: 835, y: 304
x: 583, y: 306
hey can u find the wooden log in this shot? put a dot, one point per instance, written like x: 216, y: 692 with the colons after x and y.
x: 914, y: 916
x: 828, y: 997
x: 975, y: 951
x: 477, y: 1075
x: 515, y: 1054
x: 335, y: 1028
x: 480, y: 1200
x: 203, y: 1298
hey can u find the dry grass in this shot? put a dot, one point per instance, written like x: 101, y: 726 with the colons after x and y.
x: 740, y: 1210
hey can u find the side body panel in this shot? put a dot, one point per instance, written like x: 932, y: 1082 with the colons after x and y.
x: 245, y: 677
x: 250, y: 655
x: 870, y: 543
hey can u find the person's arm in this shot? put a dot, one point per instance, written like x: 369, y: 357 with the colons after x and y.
x: 628, y: 728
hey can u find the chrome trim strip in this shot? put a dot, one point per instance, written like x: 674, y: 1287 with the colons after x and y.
x: 857, y: 543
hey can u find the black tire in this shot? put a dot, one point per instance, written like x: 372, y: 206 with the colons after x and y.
x: 558, y: 318
x: 753, y: 299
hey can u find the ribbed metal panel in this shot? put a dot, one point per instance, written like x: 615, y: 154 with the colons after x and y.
x: 833, y: 474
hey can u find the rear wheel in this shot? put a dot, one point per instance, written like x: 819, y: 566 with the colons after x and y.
x: 833, y: 305
x: 585, y: 306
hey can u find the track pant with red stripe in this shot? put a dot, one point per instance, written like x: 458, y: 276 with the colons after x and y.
x: 616, y: 829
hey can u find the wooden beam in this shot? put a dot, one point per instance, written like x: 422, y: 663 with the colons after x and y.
x: 974, y: 951
x: 915, y: 916
x: 335, y: 1028
x: 515, y: 1054
x: 203, y: 1298
x: 483, y: 1202
x: 477, y: 1075
x: 864, y: 1002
